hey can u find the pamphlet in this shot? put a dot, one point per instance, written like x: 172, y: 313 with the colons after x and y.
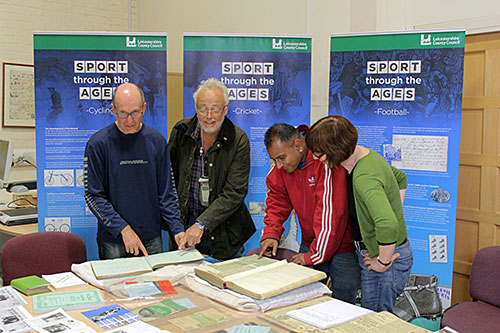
x: 200, y: 319
x: 327, y: 314
x: 12, y: 320
x: 74, y: 300
x: 137, y: 327
x: 111, y: 316
x: 64, y: 280
x: 159, y: 309
x: 56, y: 321
x: 10, y: 298
x: 143, y: 289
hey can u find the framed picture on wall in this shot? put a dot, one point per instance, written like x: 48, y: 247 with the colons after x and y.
x: 18, y: 95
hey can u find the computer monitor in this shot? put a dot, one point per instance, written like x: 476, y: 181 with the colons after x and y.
x: 6, y: 154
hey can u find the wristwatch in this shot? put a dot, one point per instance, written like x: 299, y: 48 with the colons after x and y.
x: 200, y: 225
x: 383, y: 263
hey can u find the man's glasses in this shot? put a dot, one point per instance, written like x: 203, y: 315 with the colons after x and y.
x: 124, y: 115
x: 211, y: 110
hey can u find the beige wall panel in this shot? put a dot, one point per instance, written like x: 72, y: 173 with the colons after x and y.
x: 469, y: 186
x: 174, y: 98
x: 460, y: 291
x: 466, y: 240
x: 496, y: 234
x: 471, y: 141
x: 495, y: 134
x: 474, y: 74
x: 497, y: 196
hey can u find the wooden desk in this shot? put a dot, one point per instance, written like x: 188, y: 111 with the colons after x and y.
x: 18, y: 230
x: 202, y: 304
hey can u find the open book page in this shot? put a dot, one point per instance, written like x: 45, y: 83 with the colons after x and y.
x: 217, y: 273
x: 173, y: 257
x: 255, y: 270
x: 120, y: 267
x: 374, y: 322
x: 274, y: 281
x: 378, y: 322
x: 328, y: 314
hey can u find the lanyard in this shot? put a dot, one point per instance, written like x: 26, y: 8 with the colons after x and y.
x: 202, y: 163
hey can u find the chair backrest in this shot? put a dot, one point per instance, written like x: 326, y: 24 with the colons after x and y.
x: 485, y: 275
x: 41, y: 253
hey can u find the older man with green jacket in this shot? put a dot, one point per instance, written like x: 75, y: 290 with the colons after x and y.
x: 211, y: 164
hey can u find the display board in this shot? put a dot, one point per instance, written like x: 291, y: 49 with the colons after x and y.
x: 75, y: 76
x: 403, y: 92
x: 269, y: 81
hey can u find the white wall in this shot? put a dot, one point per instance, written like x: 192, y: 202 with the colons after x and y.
x: 425, y: 14
x: 319, y: 18
x: 18, y: 20
x: 288, y: 17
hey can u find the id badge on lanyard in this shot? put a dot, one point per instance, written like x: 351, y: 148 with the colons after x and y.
x: 204, y: 191
x: 203, y: 180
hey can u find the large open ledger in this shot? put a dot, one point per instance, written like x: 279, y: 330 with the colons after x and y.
x: 112, y: 268
x: 258, y: 278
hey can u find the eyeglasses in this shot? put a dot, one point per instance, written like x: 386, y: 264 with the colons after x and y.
x: 124, y: 115
x: 212, y: 110
x: 319, y: 156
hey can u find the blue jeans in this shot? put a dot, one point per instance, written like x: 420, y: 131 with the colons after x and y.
x: 108, y: 250
x: 344, y: 271
x: 379, y: 290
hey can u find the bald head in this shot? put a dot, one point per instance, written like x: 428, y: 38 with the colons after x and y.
x: 129, y: 90
x: 128, y: 107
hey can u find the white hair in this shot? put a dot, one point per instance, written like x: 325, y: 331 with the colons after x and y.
x: 212, y: 83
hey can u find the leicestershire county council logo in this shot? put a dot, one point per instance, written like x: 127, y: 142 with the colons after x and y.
x: 425, y: 40
x: 131, y: 42
x: 277, y: 44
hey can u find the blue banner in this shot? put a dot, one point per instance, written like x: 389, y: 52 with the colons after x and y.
x: 269, y: 81
x: 403, y: 92
x: 75, y: 75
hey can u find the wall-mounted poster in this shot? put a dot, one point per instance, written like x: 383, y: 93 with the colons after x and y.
x: 18, y: 95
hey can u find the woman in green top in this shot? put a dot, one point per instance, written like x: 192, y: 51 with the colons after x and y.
x: 376, y: 192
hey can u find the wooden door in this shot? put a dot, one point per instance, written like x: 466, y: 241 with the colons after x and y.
x: 478, y: 213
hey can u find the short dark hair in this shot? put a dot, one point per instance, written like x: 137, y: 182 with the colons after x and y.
x: 283, y: 132
x: 335, y: 136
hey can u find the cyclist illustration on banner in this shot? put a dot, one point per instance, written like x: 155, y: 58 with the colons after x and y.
x: 58, y: 177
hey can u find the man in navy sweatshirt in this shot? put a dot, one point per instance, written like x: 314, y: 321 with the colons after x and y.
x: 128, y: 181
